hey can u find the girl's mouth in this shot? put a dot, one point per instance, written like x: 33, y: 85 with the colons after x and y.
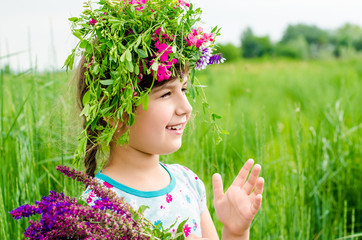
x: 177, y: 129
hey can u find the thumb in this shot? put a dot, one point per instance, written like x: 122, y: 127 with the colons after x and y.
x: 217, y: 187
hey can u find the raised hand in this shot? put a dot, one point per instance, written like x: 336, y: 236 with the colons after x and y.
x: 237, y: 207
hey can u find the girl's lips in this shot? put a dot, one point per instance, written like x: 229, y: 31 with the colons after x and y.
x: 177, y: 131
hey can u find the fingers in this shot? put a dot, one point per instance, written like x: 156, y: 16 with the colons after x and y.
x: 259, y: 186
x: 243, y: 174
x: 217, y: 187
x: 250, y: 184
x: 254, y: 208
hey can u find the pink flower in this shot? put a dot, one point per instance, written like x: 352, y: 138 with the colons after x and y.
x: 107, y: 185
x: 93, y: 22
x: 138, y: 2
x: 163, y: 74
x: 163, y: 47
x: 183, y: 3
x: 199, y: 43
x: 158, y: 31
x: 168, y: 198
x: 198, y: 38
x: 187, y: 230
x: 90, y: 197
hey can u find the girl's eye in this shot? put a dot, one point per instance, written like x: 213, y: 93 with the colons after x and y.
x: 184, y: 90
x: 166, y: 94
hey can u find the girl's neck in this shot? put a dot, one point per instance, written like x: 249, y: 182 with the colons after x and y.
x: 136, y: 169
x: 130, y: 159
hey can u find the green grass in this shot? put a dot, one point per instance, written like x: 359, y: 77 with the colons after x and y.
x: 300, y: 120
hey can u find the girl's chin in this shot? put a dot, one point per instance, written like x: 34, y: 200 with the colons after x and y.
x: 172, y: 149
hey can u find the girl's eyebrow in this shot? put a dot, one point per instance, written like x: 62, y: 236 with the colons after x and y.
x: 168, y: 86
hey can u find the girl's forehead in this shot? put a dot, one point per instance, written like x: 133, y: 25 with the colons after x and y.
x: 170, y: 84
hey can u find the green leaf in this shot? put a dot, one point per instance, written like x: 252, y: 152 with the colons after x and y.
x: 142, y: 53
x: 215, y: 116
x: 73, y: 19
x: 225, y: 132
x: 142, y: 208
x: 145, y: 102
x: 94, y: 123
x: 109, y: 44
x: 69, y: 61
x: 180, y: 229
x: 205, y: 106
x: 89, y: 49
x: 193, y: 76
x: 78, y: 34
x: 128, y: 55
x: 95, y: 68
x: 137, y: 69
x: 214, y: 29
x: 123, y: 57
x: 129, y: 66
x: 83, y: 44
x: 106, y: 82
x: 86, y: 98
x: 192, y: 91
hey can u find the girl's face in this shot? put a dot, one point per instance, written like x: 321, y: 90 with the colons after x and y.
x: 158, y: 130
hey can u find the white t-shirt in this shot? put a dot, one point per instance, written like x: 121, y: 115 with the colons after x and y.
x: 184, y: 198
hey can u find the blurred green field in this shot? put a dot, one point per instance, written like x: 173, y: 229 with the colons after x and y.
x: 301, y: 120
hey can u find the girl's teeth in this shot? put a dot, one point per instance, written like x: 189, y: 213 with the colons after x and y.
x: 178, y: 127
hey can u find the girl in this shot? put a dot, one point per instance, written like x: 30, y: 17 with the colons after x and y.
x: 154, y: 127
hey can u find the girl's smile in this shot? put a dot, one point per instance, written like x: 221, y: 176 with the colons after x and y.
x: 159, y: 129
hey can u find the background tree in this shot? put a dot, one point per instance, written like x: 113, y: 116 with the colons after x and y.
x: 347, y: 38
x: 253, y: 46
x: 230, y: 51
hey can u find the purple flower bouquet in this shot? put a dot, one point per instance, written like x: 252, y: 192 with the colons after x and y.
x: 111, y: 217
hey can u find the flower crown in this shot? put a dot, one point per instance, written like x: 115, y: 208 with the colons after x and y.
x: 125, y: 40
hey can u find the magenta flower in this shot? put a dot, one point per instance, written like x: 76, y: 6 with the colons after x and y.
x: 187, y: 230
x: 107, y: 185
x: 64, y: 218
x: 139, y: 3
x: 93, y: 22
x: 183, y: 3
x: 162, y: 47
x: 168, y: 198
x: 198, y: 38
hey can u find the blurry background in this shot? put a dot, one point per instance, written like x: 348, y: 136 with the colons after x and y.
x: 289, y: 95
x: 40, y: 32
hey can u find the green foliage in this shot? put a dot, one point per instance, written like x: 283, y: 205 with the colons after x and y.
x: 253, y: 46
x: 301, y: 120
x: 296, y: 48
x: 347, y: 36
x: 312, y: 34
x: 230, y: 51
x: 120, y: 43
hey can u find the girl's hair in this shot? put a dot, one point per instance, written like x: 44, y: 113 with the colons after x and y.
x: 90, y: 161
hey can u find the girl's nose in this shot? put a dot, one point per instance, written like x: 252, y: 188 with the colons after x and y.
x: 184, y: 107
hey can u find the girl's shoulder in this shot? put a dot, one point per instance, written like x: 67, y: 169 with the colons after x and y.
x: 188, y: 181
x: 178, y: 169
x: 185, y: 176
